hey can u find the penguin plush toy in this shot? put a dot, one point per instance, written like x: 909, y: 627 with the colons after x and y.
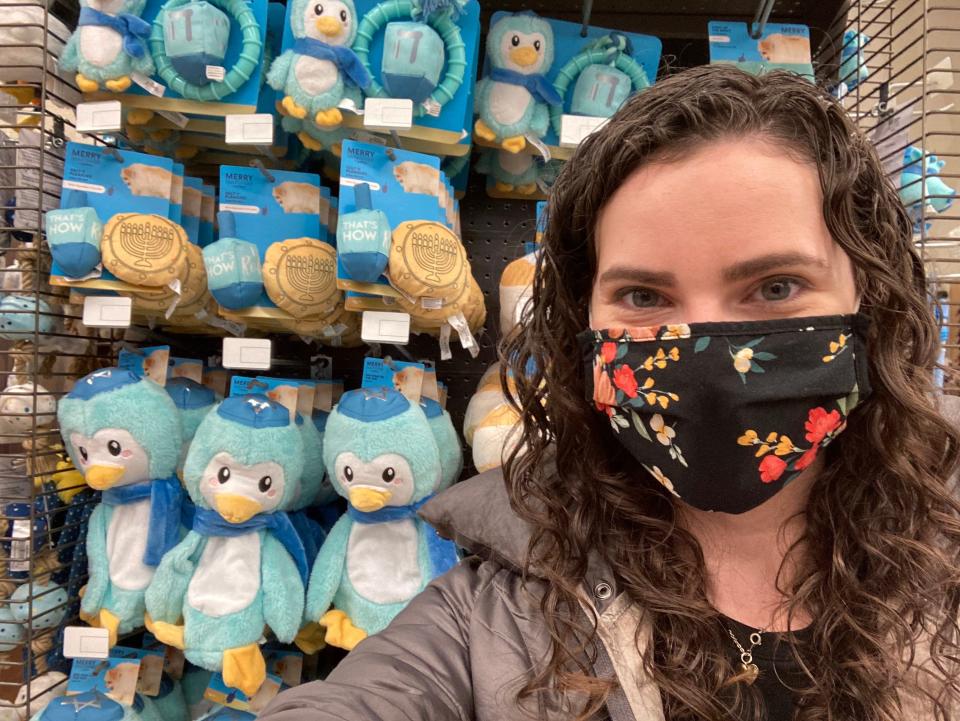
x: 193, y: 401
x: 109, y: 44
x: 448, y: 442
x: 512, y: 100
x: 123, y: 434
x: 382, y: 457
x: 320, y: 70
x: 242, y: 566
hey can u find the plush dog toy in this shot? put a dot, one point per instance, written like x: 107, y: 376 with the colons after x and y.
x: 512, y: 100
x: 108, y: 45
x: 382, y: 457
x: 320, y: 70
x: 242, y: 566
x: 123, y: 433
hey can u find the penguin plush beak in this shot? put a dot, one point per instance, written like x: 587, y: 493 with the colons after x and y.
x: 329, y: 26
x: 367, y: 500
x: 524, y: 57
x: 101, y: 478
x: 236, y: 509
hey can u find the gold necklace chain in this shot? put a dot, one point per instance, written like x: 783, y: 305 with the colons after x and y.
x: 749, y: 668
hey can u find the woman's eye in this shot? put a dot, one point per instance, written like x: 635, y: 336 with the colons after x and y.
x: 777, y: 290
x: 643, y: 298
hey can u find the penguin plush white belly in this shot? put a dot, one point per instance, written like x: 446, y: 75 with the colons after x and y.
x: 126, y: 544
x: 227, y: 578
x: 508, y: 102
x: 382, y: 561
x: 100, y: 45
x: 315, y: 76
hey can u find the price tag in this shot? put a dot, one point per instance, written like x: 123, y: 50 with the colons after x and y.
x: 247, y: 353
x: 215, y: 72
x: 107, y: 311
x: 388, y: 113
x: 256, y: 129
x: 148, y: 84
x: 574, y: 128
x: 105, y: 117
x: 382, y: 326
x: 85, y: 642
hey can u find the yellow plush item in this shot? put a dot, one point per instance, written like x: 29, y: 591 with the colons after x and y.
x: 516, y: 288
x: 427, y: 260
x: 495, y: 437
x: 144, y: 249
x: 300, y: 276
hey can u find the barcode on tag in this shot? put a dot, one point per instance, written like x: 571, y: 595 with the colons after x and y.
x: 20, y: 546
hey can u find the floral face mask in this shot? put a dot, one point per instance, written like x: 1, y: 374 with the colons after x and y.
x: 724, y: 415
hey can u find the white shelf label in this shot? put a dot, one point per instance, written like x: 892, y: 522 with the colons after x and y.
x: 247, y: 353
x: 105, y: 117
x: 388, y: 113
x: 85, y: 642
x: 385, y: 327
x: 107, y: 311
x: 574, y: 128
x: 256, y: 129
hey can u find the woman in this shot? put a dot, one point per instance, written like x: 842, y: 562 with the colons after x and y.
x: 734, y: 500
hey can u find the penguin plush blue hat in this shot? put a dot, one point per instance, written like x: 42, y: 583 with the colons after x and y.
x: 382, y: 457
x: 193, y: 400
x: 123, y: 434
x: 242, y: 565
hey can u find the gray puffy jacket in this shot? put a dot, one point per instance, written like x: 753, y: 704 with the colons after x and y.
x: 463, y: 647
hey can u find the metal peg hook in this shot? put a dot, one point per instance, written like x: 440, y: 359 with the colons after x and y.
x: 113, y: 153
x: 760, y: 18
x: 258, y: 164
x: 585, y: 17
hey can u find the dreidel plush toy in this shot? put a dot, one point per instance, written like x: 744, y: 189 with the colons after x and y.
x: 123, y: 434
x: 382, y: 457
x: 242, y: 566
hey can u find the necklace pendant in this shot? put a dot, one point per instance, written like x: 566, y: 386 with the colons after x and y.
x: 750, y: 673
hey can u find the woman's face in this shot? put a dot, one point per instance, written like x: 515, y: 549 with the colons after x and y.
x: 732, y: 232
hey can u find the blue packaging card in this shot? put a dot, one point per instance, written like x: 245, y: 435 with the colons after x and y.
x: 450, y: 123
x: 403, y: 376
x: 218, y: 692
x: 93, y: 177
x: 270, y: 211
x: 304, y: 390
x: 149, y: 362
x: 568, y: 43
x: 781, y: 46
x: 116, y: 676
x: 207, y: 214
x: 244, y: 385
x: 191, y: 368
x: 407, y: 187
x: 247, y: 94
x: 192, y: 208
x: 286, y: 664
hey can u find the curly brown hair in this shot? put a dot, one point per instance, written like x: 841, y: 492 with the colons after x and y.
x: 880, y: 556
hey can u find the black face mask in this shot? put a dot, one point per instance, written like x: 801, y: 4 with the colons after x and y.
x: 724, y: 415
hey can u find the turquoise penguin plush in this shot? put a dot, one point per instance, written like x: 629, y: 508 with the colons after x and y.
x: 123, y: 434
x: 169, y: 704
x: 320, y: 70
x: 109, y: 44
x: 512, y: 100
x: 853, y: 66
x: 310, y: 532
x: 381, y: 456
x: 193, y: 400
x: 315, y: 138
x: 242, y: 566
x: 448, y: 442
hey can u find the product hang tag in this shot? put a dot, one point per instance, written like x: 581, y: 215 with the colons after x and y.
x: 432, y: 108
x: 148, y: 84
x: 178, y: 119
x: 175, y: 286
x: 445, y: 353
x: 215, y: 72
x: 459, y: 323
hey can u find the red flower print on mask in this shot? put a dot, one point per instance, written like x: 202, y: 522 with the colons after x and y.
x: 771, y: 468
x: 624, y: 379
x: 615, y: 333
x: 608, y: 351
x: 820, y: 424
x: 603, y: 392
x: 807, y: 458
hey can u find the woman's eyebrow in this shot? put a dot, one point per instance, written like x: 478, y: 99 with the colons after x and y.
x: 640, y: 276
x: 766, y: 263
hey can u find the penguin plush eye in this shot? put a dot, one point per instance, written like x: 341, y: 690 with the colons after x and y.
x: 223, y: 475
x: 83, y: 454
x: 343, y: 16
x: 265, y: 484
x: 318, y: 9
x: 348, y: 473
x: 515, y: 40
x: 114, y: 448
x: 536, y: 45
x: 388, y: 475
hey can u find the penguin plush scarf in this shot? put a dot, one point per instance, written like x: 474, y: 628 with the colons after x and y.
x: 538, y: 85
x: 443, y: 554
x: 344, y: 58
x: 166, y: 499
x: 134, y: 30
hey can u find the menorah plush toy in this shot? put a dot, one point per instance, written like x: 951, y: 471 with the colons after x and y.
x: 242, y: 566
x: 109, y: 44
x: 123, y: 434
x: 381, y: 456
x: 512, y: 101
x: 320, y: 70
